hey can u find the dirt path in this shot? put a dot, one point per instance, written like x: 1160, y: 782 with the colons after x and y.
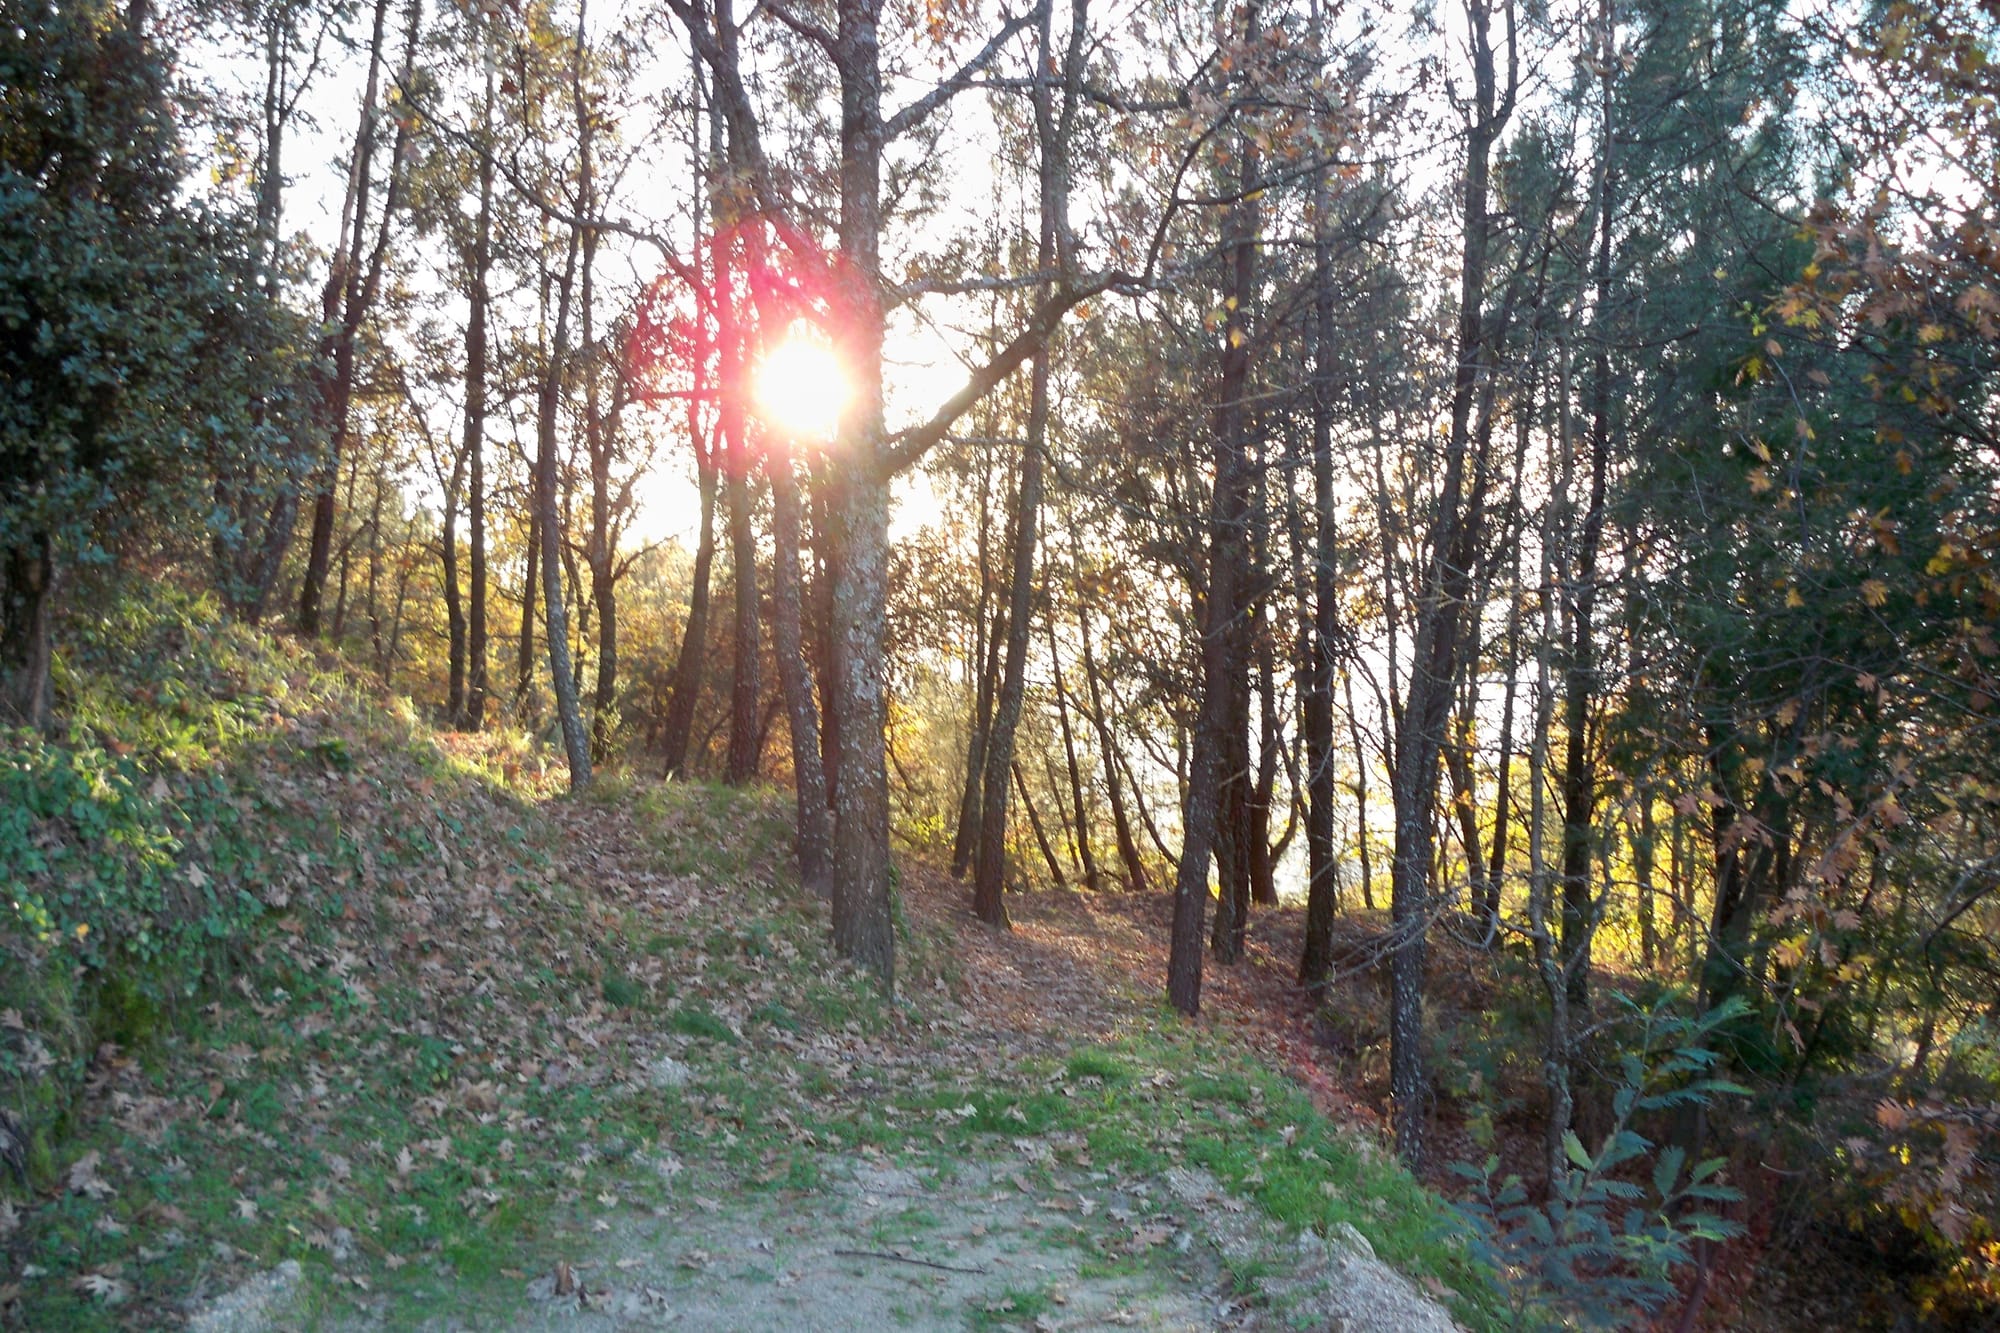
x: 916, y: 1225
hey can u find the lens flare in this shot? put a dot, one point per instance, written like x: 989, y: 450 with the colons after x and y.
x: 801, y: 387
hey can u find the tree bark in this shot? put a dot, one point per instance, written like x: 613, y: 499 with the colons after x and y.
x: 990, y: 866
x: 475, y: 420
x: 562, y: 672
x: 454, y: 602
x: 746, y: 686
x: 1114, y: 787
x: 1579, y: 780
x: 1047, y: 848
x: 1085, y: 858
x: 350, y: 292
x: 1227, y: 575
x: 863, y: 923
x: 1444, y: 584
x: 815, y: 819
x: 27, y: 612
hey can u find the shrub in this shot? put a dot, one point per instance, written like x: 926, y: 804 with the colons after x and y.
x: 1602, y: 1248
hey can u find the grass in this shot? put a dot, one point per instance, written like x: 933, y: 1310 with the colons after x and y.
x: 1170, y: 1096
x: 407, y: 1067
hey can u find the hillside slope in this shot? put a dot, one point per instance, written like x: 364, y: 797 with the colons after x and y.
x: 376, y: 1035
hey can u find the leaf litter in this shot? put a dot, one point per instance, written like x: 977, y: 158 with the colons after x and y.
x: 593, y: 1057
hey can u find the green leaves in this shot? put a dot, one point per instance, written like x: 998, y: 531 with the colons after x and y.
x: 1605, y: 1245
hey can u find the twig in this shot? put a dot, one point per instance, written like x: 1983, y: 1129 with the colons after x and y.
x: 904, y: 1259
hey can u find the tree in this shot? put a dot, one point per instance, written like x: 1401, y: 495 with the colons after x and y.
x: 133, y: 325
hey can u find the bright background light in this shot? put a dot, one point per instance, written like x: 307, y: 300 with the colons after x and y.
x: 802, y: 387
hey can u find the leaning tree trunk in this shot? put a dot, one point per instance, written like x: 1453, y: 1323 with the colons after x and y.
x: 562, y: 673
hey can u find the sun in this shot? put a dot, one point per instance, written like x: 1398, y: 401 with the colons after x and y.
x: 801, y: 386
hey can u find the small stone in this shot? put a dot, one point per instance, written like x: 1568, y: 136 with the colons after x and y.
x: 1347, y: 1237
x: 664, y: 1071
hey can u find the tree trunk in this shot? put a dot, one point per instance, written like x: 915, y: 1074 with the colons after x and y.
x: 1579, y: 781
x: 27, y: 612
x: 1114, y: 788
x: 815, y: 822
x: 690, y: 667
x: 1360, y: 792
x: 983, y: 670
x: 1235, y: 829
x: 562, y: 673
x: 1084, y: 855
x: 350, y: 291
x: 454, y: 604
x: 475, y: 421
x: 524, y: 642
x: 745, y: 689
x: 990, y: 866
x: 1438, y: 636
x: 1227, y: 576
x: 1270, y: 744
x: 992, y: 632
x: 1041, y: 834
x: 863, y: 924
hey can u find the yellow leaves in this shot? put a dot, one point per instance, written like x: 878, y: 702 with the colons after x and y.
x: 1760, y: 481
x: 1931, y: 333
x: 1941, y: 562
x: 1237, y: 337
x: 1874, y: 592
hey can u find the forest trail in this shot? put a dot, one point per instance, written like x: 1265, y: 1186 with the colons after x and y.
x: 920, y: 1224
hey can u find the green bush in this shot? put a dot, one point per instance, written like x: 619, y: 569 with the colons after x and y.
x: 1601, y: 1250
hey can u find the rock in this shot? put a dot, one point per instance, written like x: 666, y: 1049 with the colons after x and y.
x: 265, y: 1304
x: 663, y: 1071
x: 342, y: 1250
x: 1349, y: 1238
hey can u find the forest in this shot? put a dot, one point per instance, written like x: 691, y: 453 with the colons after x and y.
x: 1479, y: 513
